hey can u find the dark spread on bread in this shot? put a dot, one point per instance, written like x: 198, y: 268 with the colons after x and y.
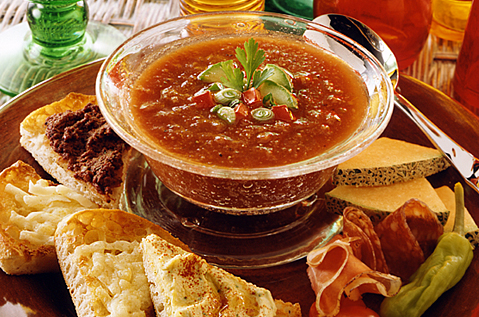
x: 92, y: 149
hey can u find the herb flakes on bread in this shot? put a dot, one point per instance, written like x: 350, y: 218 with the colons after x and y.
x: 71, y: 140
x: 184, y: 284
x: 30, y: 209
x: 98, y: 252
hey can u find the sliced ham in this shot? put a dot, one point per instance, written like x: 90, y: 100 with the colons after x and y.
x: 335, y: 272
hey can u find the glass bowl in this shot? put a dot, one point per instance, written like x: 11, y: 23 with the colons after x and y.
x: 239, y: 191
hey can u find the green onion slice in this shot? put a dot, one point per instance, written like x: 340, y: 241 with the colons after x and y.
x: 234, y: 103
x: 226, y: 113
x: 227, y: 95
x: 216, y: 108
x: 268, y: 100
x: 262, y: 114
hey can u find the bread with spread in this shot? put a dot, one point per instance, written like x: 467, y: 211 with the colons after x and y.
x: 99, y: 255
x: 184, y: 284
x: 71, y: 140
x: 30, y: 209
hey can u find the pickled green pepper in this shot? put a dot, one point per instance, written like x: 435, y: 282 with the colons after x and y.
x: 441, y: 270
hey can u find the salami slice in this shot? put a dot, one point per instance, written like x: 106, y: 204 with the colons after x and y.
x: 368, y: 248
x: 424, y: 225
x: 403, y: 232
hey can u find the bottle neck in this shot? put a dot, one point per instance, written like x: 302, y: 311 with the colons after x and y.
x: 56, y: 24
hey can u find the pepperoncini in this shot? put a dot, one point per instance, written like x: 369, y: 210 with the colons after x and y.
x: 441, y: 270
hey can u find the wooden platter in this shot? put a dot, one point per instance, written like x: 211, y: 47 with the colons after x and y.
x: 46, y: 294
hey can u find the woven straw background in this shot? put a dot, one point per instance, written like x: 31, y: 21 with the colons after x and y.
x: 128, y: 16
x: 435, y: 66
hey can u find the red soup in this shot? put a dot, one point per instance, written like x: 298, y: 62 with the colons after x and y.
x: 324, y: 102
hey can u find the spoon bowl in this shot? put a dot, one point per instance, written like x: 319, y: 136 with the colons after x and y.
x: 366, y: 37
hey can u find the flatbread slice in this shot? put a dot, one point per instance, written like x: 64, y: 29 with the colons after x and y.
x: 30, y: 209
x: 78, y: 148
x: 98, y: 252
x: 184, y: 284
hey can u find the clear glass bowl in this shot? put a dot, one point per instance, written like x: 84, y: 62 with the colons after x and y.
x: 237, y: 191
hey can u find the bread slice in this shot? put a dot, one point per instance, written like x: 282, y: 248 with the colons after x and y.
x: 184, y: 284
x: 83, y: 167
x: 387, y: 161
x: 99, y: 255
x: 30, y: 209
x: 379, y: 201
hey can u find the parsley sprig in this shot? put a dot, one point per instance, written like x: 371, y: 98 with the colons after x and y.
x: 234, y: 76
x: 250, y: 58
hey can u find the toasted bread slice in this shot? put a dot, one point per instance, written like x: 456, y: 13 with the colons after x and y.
x: 184, y: 284
x: 99, y: 255
x: 89, y: 166
x: 30, y: 209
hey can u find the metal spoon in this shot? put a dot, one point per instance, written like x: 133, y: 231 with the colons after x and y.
x: 462, y: 160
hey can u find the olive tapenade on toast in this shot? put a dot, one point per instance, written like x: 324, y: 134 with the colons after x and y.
x: 72, y: 141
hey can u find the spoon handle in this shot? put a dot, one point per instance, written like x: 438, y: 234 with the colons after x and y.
x: 465, y: 163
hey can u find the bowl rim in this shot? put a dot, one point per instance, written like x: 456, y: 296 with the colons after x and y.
x: 310, y: 165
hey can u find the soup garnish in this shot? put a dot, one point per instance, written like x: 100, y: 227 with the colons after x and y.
x: 284, y: 103
x: 268, y: 92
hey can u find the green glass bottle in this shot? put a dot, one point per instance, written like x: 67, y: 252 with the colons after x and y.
x: 299, y: 8
x: 57, y: 23
x: 58, y: 37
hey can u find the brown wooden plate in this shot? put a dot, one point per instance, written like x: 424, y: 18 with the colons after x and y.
x: 46, y: 294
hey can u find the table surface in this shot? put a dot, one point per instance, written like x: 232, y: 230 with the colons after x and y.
x: 46, y: 294
x: 435, y: 67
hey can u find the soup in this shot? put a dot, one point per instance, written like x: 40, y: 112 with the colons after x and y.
x: 330, y: 102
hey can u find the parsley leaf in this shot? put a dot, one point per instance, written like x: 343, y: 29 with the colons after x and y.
x: 250, y: 58
x: 259, y: 77
x: 234, y: 76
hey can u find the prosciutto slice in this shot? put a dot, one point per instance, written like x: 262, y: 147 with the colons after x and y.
x: 334, y: 272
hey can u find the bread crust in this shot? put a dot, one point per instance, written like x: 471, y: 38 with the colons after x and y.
x: 34, y: 140
x: 19, y: 255
x: 87, y: 227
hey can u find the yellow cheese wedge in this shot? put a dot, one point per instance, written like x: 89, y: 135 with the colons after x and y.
x: 387, y: 161
x: 470, y: 227
x: 379, y: 201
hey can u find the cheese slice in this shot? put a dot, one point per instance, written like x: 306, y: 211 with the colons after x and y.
x: 184, y: 284
x: 379, y: 201
x: 387, y: 161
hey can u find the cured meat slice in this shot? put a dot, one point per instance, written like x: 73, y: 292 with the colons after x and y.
x: 408, y: 236
x: 368, y: 248
x: 334, y: 272
x: 424, y: 225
